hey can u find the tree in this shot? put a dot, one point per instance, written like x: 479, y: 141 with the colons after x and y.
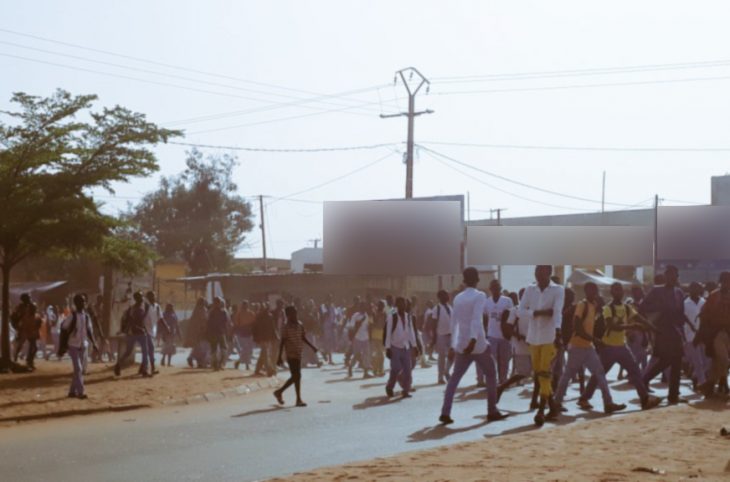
x: 49, y: 161
x: 197, y: 216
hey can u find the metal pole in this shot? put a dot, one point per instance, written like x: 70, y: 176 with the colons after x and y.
x: 263, y: 233
x: 656, y: 234
x: 499, y: 223
x: 603, y: 193
x: 409, y: 146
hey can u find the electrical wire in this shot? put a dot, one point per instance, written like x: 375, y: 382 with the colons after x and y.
x: 585, y: 71
x: 519, y: 183
x: 301, y: 102
x: 333, y: 180
x: 582, y: 86
x: 292, y: 150
x: 579, y: 148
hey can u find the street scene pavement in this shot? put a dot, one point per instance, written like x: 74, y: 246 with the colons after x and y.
x: 253, y: 438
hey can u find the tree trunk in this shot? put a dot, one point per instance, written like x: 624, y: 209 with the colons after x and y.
x: 5, y: 361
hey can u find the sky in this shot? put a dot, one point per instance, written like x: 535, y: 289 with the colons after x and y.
x: 541, y: 97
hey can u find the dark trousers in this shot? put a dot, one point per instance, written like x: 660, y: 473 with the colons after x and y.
x: 661, y: 363
x: 218, y: 351
x: 295, y: 378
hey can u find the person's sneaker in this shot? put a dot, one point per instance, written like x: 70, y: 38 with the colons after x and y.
x: 301, y: 403
x: 389, y: 392
x: 539, y: 419
x: 584, y: 404
x: 614, y: 407
x: 496, y: 417
x: 553, y: 414
x: 117, y: 370
x: 650, y: 402
x: 83, y: 396
x: 278, y: 397
x: 446, y: 420
x: 406, y: 394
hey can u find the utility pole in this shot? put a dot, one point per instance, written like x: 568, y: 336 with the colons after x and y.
x: 263, y: 232
x: 316, y: 242
x: 499, y: 223
x: 411, y: 114
x: 603, y: 194
x: 656, y: 234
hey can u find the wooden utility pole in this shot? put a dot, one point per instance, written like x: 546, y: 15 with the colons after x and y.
x: 263, y: 233
x: 411, y: 114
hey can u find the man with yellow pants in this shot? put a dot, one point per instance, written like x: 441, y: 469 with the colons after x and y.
x: 542, y: 305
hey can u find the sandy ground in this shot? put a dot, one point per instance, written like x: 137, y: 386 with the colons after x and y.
x: 682, y: 442
x: 43, y: 393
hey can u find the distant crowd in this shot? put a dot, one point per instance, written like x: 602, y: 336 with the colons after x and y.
x: 540, y: 333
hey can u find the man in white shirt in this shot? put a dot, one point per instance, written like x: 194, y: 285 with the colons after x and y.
x: 469, y: 345
x: 441, y: 315
x: 153, y: 316
x: 400, y: 343
x: 695, y: 354
x: 80, y: 334
x: 359, y: 329
x: 542, y: 306
x: 498, y: 310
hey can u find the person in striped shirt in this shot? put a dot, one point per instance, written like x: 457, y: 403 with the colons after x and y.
x: 293, y: 339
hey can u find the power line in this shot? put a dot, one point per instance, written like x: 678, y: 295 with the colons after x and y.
x: 292, y: 150
x: 491, y: 186
x: 300, y: 101
x: 582, y: 72
x: 582, y: 86
x: 330, y: 181
x: 177, y: 86
x: 580, y: 148
x: 518, y: 183
x: 154, y: 62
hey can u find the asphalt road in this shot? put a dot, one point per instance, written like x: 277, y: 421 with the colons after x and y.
x: 252, y: 438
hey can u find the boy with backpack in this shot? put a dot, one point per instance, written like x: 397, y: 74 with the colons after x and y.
x: 400, y: 345
x: 133, y: 325
x: 617, y: 317
x: 77, y: 333
x: 582, y: 353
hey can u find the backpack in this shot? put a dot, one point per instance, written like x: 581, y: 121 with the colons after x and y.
x: 569, y: 323
x: 65, y: 335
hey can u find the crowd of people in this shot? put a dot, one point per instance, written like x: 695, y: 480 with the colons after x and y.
x: 541, y: 333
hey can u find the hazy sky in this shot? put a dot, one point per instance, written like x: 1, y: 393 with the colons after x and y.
x: 266, y: 57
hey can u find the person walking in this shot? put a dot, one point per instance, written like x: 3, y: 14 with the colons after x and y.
x: 79, y: 334
x: 218, y: 324
x: 582, y: 354
x: 153, y: 317
x: 714, y: 333
x: 28, y: 324
x: 694, y: 353
x: 400, y: 343
x: 498, y: 311
x: 359, y: 331
x: 665, y: 303
x: 170, y: 331
x: 135, y: 328
x: 329, y: 327
x: 243, y: 333
x: 469, y: 345
x: 377, y: 339
x: 441, y: 315
x: 618, y: 317
x: 195, y: 335
x: 293, y: 340
x: 266, y: 336
x: 542, y: 305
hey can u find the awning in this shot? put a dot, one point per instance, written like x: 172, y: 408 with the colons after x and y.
x: 581, y: 276
x: 36, y: 289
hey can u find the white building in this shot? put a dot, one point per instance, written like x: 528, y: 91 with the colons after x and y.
x: 306, y: 260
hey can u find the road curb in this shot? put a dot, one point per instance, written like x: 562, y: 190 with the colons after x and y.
x: 245, y: 389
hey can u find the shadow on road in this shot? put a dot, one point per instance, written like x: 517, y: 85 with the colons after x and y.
x: 439, y: 432
x: 373, y: 402
x: 70, y: 413
x: 273, y: 408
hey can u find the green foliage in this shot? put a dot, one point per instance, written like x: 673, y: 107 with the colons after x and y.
x: 49, y: 161
x: 197, y: 216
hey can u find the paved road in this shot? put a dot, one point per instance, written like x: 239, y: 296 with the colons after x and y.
x: 251, y: 438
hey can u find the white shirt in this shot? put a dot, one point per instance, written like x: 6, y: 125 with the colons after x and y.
x: 363, y: 333
x: 402, y: 335
x: 51, y: 319
x: 522, y: 325
x: 493, y: 310
x: 466, y: 321
x: 541, y: 329
x: 692, y: 312
x: 154, y: 314
x: 442, y: 314
x: 80, y: 336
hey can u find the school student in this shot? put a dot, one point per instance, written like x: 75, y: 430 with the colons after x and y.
x: 400, y: 345
x: 78, y: 334
x: 293, y: 339
x: 469, y: 345
x: 441, y: 315
x: 582, y: 353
